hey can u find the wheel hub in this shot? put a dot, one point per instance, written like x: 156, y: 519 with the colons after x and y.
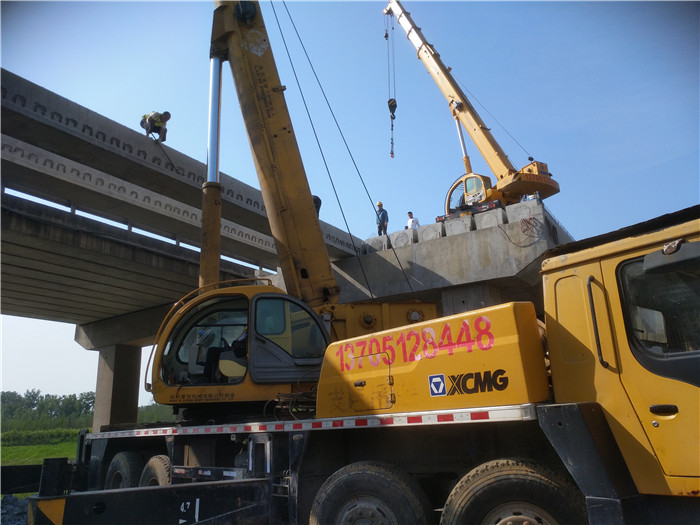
x: 366, y: 510
x: 518, y: 513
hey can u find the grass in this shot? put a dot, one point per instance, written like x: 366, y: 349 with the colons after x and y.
x: 35, y: 454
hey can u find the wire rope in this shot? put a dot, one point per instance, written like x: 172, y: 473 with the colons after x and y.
x: 473, y: 97
x: 391, y: 73
x: 342, y: 136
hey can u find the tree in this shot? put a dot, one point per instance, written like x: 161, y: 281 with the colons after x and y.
x: 36, y: 411
x: 11, y: 403
x: 87, y: 402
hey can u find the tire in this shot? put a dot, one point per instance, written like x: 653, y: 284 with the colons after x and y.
x: 124, y: 471
x: 514, y: 491
x: 370, y: 493
x: 156, y: 472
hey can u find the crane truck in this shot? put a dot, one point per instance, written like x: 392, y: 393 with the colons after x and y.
x: 472, y: 192
x: 288, y: 415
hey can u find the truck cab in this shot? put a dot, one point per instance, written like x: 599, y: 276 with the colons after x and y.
x: 623, y: 332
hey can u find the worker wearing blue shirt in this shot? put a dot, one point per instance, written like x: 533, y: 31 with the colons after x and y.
x: 382, y: 219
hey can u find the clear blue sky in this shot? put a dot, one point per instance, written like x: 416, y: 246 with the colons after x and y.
x: 606, y: 93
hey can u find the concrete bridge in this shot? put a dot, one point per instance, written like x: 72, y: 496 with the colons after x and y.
x: 115, y: 284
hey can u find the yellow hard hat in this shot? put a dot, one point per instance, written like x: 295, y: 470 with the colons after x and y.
x: 379, y: 203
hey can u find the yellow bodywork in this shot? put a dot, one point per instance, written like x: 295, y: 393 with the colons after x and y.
x: 359, y: 319
x: 172, y: 384
x: 661, y: 452
x: 487, y: 357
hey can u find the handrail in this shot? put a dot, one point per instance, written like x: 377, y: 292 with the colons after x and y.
x: 603, y: 362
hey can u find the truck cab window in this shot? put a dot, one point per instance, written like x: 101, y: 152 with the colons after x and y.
x: 662, y: 309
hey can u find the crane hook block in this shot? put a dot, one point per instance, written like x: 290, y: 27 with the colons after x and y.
x: 392, y: 107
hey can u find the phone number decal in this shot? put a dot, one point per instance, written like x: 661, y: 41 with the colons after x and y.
x: 415, y: 345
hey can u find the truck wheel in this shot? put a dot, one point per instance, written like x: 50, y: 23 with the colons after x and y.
x: 370, y: 493
x: 156, y: 472
x: 514, y: 491
x: 124, y: 470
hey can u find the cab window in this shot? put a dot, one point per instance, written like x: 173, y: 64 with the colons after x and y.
x: 193, y: 354
x: 473, y: 185
x: 663, y: 308
x: 662, y: 311
x: 290, y: 327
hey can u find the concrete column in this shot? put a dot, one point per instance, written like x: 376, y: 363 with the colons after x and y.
x: 117, y: 390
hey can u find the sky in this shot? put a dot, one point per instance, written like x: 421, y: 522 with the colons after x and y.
x: 606, y: 93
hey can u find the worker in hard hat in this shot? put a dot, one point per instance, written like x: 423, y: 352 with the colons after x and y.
x: 382, y: 219
x: 155, y: 122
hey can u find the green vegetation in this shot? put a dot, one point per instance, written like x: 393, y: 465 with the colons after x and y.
x: 35, y: 454
x: 36, y: 426
x: 34, y: 411
x: 156, y: 413
x: 38, y: 437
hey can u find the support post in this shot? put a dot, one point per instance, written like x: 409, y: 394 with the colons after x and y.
x: 117, y: 390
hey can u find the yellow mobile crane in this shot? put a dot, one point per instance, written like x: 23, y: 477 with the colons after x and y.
x: 471, y: 189
x: 467, y: 419
x: 254, y: 344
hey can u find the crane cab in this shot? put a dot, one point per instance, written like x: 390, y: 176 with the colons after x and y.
x: 247, y: 344
x: 468, y: 191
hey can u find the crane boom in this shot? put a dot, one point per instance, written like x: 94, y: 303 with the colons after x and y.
x: 240, y: 37
x: 241, y: 344
x: 511, y: 182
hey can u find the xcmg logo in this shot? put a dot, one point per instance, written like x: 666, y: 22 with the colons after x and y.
x: 470, y: 383
x: 437, y: 385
